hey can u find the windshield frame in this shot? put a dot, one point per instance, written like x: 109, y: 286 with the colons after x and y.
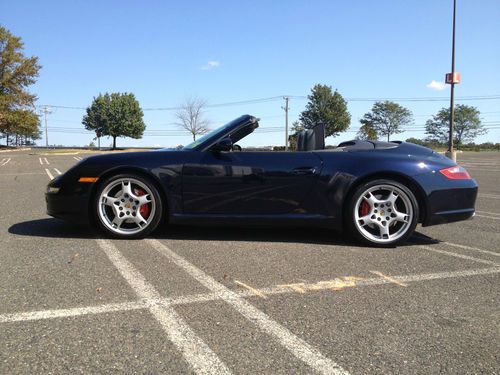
x: 208, y: 140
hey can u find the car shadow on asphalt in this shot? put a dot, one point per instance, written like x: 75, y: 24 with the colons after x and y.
x: 55, y: 228
x: 304, y: 235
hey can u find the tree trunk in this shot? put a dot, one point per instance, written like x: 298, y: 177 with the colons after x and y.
x: 114, y: 142
x: 388, y: 135
x: 99, y: 143
x: 194, y: 137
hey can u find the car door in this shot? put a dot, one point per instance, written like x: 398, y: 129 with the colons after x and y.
x: 249, y: 183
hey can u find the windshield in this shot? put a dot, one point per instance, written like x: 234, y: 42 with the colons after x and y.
x: 215, y: 133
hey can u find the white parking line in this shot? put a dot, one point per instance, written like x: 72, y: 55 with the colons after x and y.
x: 49, y: 174
x: 473, y: 248
x: 488, y: 262
x: 46, y: 161
x: 298, y: 347
x: 77, y: 311
x: 57, y: 170
x: 493, y: 196
x: 488, y: 217
x: 77, y: 158
x: 40, y: 160
x: 208, y: 297
x: 4, y: 161
x: 489, y: 213
x: 195, y: 351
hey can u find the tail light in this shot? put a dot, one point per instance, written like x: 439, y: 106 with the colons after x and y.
x: 456, y: 173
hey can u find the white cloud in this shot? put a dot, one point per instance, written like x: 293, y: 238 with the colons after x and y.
x: 436, y: 85
x: 211, y: 64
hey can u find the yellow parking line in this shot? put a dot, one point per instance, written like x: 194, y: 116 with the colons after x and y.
x: 253, y: 290
x: 388, y: 278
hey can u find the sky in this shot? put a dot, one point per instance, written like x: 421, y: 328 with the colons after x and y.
x: 259, y: 51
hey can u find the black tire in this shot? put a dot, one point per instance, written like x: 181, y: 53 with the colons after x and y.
x: 128, y: 205
x: 397, y: 214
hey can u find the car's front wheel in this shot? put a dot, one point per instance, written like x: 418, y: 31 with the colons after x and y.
x: 127, y: 206
x: 382, y: 213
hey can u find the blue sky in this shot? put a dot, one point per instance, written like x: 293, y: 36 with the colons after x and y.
x: 229, y: 51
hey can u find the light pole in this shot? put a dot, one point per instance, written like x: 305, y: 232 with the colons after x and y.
x: 286, y: 121
x: 46, y: 110
x: 451, y: 152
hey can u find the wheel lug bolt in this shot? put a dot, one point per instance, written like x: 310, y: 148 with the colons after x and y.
x: 121, y: 208
x: 123, y: 200
x: 375, y: 211
x: 128, y: 212
x: 387, y: 218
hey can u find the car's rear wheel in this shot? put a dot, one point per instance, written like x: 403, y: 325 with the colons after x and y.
x: 127, y: 206
x: 382, y: 213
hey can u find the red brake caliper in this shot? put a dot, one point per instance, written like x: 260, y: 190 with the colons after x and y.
x: 144, y: 210
x: 364, y: 209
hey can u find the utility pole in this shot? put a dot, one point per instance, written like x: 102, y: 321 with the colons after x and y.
x: 46, y: 110
x: 452, y: 95
x: 286, y: 121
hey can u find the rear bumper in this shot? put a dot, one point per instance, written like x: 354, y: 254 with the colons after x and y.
x: 444, y: 217
x: 452, y: 202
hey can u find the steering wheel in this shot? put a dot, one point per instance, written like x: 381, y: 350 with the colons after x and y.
x: 236, y: 148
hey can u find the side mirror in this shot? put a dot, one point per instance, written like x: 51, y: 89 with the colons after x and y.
x: 225, y: 144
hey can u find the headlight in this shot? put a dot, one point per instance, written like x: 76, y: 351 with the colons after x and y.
x: 52, y: 189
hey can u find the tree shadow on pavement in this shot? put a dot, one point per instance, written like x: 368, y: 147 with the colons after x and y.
x: 54, y: 228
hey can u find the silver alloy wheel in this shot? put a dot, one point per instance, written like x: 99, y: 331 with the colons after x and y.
x: 120, y: 206
x: 383, y: 213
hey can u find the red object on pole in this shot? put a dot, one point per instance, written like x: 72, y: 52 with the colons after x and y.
x: 452, y: 78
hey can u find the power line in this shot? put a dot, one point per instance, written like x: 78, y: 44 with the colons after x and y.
x: 278, y: 98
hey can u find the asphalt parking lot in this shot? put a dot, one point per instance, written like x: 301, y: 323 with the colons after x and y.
x: 243, y: 301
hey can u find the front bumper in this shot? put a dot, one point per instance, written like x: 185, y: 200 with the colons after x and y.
x: 69, y: 208
x: 71, y: 203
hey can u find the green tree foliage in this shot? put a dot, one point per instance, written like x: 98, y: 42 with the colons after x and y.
x: 367, y: 133
x: 295, y: 130
x: 17, y: 73
x: 417, y: 141
x: 325, y: 107
x: 115, y: 115
x: 387, y: 118
x: 466, y: 125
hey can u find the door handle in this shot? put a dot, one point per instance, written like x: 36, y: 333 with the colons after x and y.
x: 304, y: 170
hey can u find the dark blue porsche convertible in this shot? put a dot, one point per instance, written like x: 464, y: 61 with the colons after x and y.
x: 378, y: 191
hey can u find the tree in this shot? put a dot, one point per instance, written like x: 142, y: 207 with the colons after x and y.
x: 466, y: 126
x: 17, y: 73
x: 115, y: 115
x: 327, y: 108
x: 367, y: 133
x: 191, y: 117
x: 387, y: 118
x: 295, y: 130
